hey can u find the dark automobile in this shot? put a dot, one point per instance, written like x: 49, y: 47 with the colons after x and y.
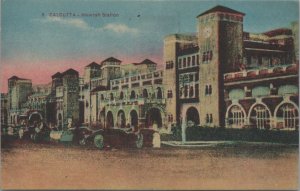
x: 74, y: 134
x: 8, y: 133
x: 37, y: 132
x: 25, y: 132
x: 112, y: 137
x: 12, y: 131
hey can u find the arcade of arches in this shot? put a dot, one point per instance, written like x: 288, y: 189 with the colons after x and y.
x: 286, y: 116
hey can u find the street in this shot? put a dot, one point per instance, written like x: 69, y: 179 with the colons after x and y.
x: 27, y: 165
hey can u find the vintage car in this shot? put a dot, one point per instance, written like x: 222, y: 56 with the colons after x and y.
x: 12, y: 131
x: 117, y: 137
x: 35, y: 132
x: 75, y: 135
x: 113, y: 137
x: 25, y: 132
x: 9, y: 133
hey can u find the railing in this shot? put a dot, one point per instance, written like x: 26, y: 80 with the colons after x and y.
x: 137, y: 79
x: 139, y: 101
x: 262, y: 72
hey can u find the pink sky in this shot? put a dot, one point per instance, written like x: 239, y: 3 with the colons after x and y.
x: 40, y: 72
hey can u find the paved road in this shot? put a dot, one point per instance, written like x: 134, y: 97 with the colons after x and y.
x: 55, y: 166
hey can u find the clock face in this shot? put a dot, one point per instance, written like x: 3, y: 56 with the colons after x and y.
x: 207, y: 32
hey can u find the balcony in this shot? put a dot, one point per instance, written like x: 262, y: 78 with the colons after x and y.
x: 262, y: 73
x: 138, y: 80
x: 134, y: 101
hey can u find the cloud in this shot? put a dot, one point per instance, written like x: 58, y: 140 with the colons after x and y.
x: 118, y: 28
x: 79, y: 23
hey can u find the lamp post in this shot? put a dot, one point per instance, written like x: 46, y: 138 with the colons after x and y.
x: 183, y: 128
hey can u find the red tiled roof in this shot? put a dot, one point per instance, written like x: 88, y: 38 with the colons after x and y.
x: 280, y: 31
x: 220, y: 8
x: 16, y: 78
x: 146, y: 61
x: 93, y: 64
x: 111, y: 59
x: 56, y: 75
x: 70, y: 71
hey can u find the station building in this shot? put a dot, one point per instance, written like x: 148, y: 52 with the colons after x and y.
x: 227, y: 77
x: 221, y: 76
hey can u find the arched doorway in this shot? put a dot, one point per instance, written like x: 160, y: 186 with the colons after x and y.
x: 235, y: 117
x: 287, y: 116
x: 34, y: 117
x: 134, y: 118
x: 153, y: 117
x: 260, y: 117
x: 102, y: 118
x: 109, y: 120
x: 192, y: 117
x: 159, y: 93
x: 121, y: 119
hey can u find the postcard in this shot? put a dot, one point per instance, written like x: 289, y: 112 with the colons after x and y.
x: 158, y: 95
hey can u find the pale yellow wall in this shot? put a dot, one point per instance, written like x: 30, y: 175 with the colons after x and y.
x: 208, y: 74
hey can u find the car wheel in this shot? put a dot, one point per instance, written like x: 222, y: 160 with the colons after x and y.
x: 35, y: 137
x: 139, y: 141
x: 82, y: 141
x: 99, y: 141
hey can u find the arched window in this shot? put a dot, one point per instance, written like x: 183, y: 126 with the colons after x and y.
x: 185, y: 91
x: 159, y: 93
x: 111, y: 96
x: 236, y: 117
x: 260, y: 117
x: 132, y: 95
x: 121, y: 95
x: 287, y: 116
x: 191, y: 93
x: 145, y: 93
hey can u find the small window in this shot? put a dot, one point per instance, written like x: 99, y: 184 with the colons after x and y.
x: 206, y: 90
x: 179, y: 63
x: 189, y: 61
x: 210, y: 118
x: 170, y: 94
x: 207, y: 118
x: 193, y: 61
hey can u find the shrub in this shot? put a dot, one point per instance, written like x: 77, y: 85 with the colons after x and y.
x: 249, y: 134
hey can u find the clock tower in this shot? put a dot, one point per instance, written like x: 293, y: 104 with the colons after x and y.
x: 220, y: 39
